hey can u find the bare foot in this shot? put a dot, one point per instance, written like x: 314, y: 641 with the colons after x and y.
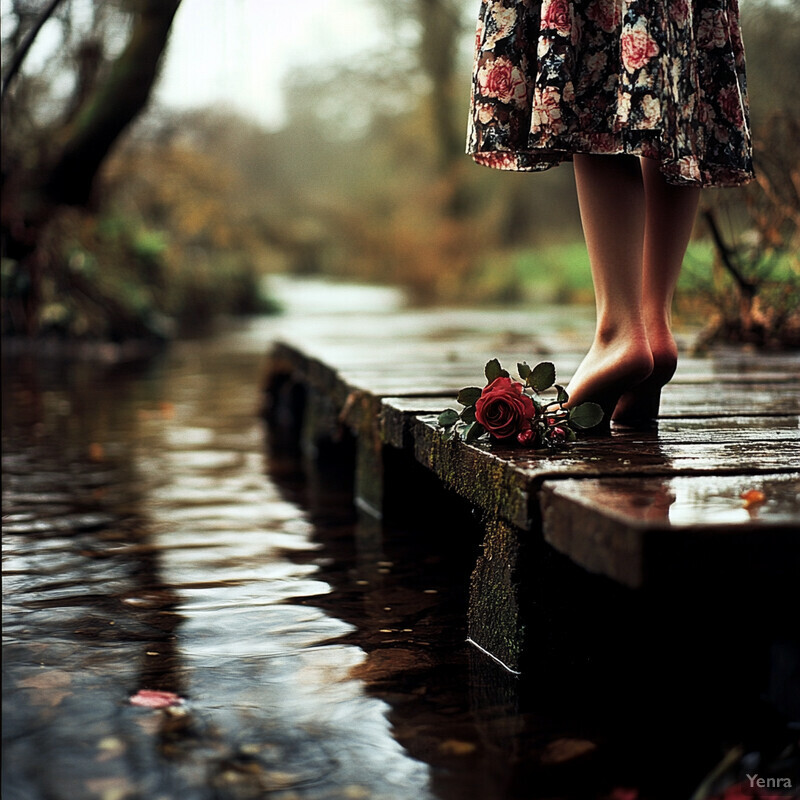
x: 638, y: 408
x: 609, y: 370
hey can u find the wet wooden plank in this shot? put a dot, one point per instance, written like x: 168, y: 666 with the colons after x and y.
x: 696, y: 441
x: 508, y: 476
x: 678, y: 399
x: 505, y: 478
x: 691, y: 393
x: 463, y: 363
x: 649, y: 531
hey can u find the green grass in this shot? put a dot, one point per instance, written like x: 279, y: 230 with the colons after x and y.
x: 560, y: 272
x: 554, y: 273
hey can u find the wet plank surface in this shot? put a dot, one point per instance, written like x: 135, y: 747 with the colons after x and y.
x: 731, y: 413
x: 635, y: 530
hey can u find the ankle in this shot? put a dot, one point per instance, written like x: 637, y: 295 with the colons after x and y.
x: 628, y: 335
x: 662, y: 343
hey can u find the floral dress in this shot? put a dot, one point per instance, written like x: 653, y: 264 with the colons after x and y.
x: 663, y: 79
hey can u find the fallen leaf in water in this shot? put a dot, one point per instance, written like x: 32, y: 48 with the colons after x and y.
x: 96, y: 452
x: 155, y: 698
x: 109, y: 747
x: 356, y: 792
x: 752, y: 497
x: 566, y: 749
x: 454, y: 747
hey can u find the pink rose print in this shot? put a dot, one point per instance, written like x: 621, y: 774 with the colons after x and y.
x: 555, y: 15
x: 711, y: 32
x: 731, y: 104
x: 637, y: 49
x: 651, y: 109
x: 547, y: 110
x: 688, y: 169
x: 505, y: 19
x: 501, y: 79
x: 498, y: 160
x: 679, y: 11
x: 604, y: 14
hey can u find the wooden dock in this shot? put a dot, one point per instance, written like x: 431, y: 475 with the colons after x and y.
x: 653, y: 521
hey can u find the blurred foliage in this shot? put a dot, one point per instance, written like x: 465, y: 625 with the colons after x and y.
x: 372, y: 158
x: 753, y: 285
x: 160, y: 241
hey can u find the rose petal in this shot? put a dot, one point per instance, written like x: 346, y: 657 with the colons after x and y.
x: 155, y: 698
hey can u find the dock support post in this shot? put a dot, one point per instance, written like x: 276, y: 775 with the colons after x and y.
x: 360, y: 413
x: 495, y: 622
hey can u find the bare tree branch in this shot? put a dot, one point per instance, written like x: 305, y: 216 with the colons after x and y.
x: 19, y: 57
x: 112, y: 105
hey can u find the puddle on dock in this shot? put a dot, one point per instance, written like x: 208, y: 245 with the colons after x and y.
x: 151, y: 542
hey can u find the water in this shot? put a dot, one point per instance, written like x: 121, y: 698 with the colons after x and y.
x: 154, y: 540
x: 151, y: 542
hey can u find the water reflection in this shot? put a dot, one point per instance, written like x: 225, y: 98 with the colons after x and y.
x: 144, y: 548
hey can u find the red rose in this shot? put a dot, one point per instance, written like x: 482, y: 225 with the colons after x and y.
x: 503, y: 409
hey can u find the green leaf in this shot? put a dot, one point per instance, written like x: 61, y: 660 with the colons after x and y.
x: 586, y: 415
x: 473, y: 432
x: 493, y: 371
x: 468, y: 414
x: 562, y: 394
x: 524, y: 370
x: 448, y: 418
x: 469, y: 396
x: 542, y: 376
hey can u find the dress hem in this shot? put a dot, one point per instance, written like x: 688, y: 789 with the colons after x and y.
x: 536, y: 160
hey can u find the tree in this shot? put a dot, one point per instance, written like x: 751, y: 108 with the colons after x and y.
x: 50, y: 165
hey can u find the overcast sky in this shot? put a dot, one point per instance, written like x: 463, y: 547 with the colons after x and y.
x: 238, y: 52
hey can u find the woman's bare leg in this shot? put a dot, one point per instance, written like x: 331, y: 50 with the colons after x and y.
x: 669, y: 217
x: 612, y: 202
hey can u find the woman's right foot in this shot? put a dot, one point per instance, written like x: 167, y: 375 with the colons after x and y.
x: 638, y: 407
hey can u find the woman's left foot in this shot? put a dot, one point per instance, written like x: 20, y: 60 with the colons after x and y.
x: 609, y: 370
